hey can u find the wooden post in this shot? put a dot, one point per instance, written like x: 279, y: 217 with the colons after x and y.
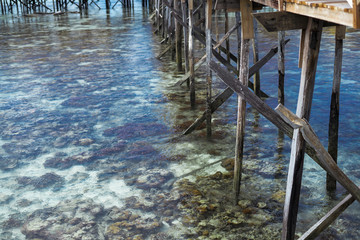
x: 178, y: 38
x: 255, y: 49
x: 247, y: 33
x: 281, y: 66
x: 334, y: 106
x: 163, y: 20
x: 186, y: 39
x: 227, y: 42
x: 310, y: 55
x: 191, y: 54
x: 208, y: 16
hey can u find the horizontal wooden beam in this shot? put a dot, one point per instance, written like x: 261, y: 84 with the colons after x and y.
x: 284, y: 21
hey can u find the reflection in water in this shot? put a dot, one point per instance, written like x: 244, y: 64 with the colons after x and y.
x: 91, y: 144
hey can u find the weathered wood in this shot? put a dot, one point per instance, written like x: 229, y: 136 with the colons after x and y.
x: 208, y: 15
x: 251, y: 98
x: 221, y: 98
x: 178, y: 38
x: 247, y: 26
x: 247, y: 33
x: 255, y: 49
x: 163, y: 52
x: 281, y: 67
x: 203, y: 58
x: 284, y: 21
x: 356, y: 13
x: 325, y: 14
x: 191, y: 54
x: 310, y: 56
x: 325, y: 159
x: 301, y: 48
x: 335, y: 106
x: 197, y: 32
x: 330, y: 217
x: 240, y: 126
x: 227, y: 42
x: 186, y: 38
x: 186, y: 77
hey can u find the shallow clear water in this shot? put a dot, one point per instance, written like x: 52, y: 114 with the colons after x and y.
x: 91, y: 144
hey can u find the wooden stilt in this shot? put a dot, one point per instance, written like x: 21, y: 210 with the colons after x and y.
x: 247, y: 33
x: 281, y: 66
x: 311, y: 48
x: 255, y: 49
x: 217, y: 26
x: 208, y: 16
x: 227, y: 42
x: 191, y: 54
x: 186, y: 39
x: 178, y: 38
x: 334, y: 106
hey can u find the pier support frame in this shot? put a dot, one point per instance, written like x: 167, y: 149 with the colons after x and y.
x: 310, y: 53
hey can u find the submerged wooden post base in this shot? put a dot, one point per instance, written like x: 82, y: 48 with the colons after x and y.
x: 247, y: 33
x: 310, y: 55
x: 334, y: 106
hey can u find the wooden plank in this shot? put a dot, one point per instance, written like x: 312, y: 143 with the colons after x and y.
x: 221, y: 98
x: 284, y: 21
x: 307, y: 82
x: 334, y: 105
x: 326, y: 14
x: 330, y: 217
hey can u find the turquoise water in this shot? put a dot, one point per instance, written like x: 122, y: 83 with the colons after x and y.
x: 91, y: 144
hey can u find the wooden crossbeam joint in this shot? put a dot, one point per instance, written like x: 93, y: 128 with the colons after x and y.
x: 324, y: 158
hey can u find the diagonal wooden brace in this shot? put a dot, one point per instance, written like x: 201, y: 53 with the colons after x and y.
x: 324, y: 158
x: 325, y: 221
x: 226, y: 94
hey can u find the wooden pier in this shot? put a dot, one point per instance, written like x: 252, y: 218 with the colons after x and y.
x: 309, y: 16
x: 180, y: 22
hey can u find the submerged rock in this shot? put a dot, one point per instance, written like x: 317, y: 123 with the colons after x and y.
x: 8, y: 163
x: 64, y: 163
x: 44, y: 181
x: 134, y: 130
x: 74, y: 219
x: 153, y: 178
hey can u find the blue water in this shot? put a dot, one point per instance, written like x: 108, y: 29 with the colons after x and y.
x: 91, y: 144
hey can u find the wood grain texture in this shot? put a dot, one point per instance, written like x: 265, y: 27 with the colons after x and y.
x: 311, y: 49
